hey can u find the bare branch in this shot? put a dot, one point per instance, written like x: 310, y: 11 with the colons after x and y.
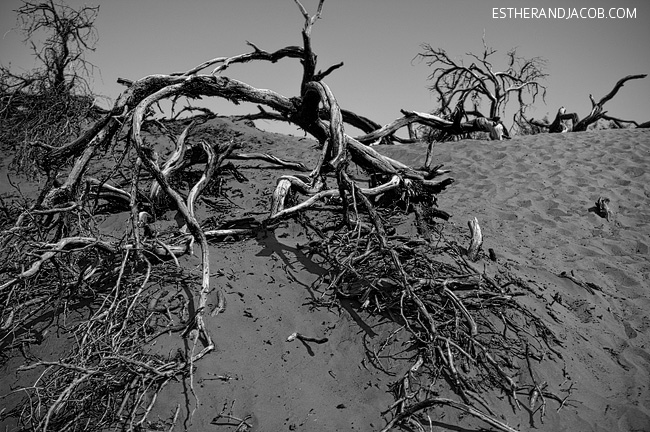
x: 618, y: 86
x: 597, y: 107
x: 71, y: 33
x: 454, y: 83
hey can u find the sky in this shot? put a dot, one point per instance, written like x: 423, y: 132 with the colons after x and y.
x: 376, y: 39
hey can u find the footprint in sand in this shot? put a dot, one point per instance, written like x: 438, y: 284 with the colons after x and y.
x: 629, y: 331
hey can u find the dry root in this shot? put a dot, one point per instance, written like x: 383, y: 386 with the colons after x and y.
x: 467, y: 330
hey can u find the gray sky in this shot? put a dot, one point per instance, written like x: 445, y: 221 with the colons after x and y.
x: 377, y: 40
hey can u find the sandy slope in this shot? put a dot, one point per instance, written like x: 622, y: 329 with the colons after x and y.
x: 532, y: 197
x: 269, y: 284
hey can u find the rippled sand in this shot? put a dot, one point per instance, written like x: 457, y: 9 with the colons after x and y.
x: 534, y: 198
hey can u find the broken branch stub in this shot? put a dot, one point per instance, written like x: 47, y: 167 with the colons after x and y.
x: 602, y: 208
x: 476, y: 241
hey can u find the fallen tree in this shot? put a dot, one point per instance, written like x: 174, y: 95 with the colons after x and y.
x: 425, y: 284
x: 596, y: 113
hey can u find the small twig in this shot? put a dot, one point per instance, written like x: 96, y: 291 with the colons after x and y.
x: 175, y: 419
x: 577, y: 282
x: 452, y: 403
x: 536, y: 391
x: 63, y: 396
x: 304, y: 338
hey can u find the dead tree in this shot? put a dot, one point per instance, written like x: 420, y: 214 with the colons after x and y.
x: 454, y: 82
x: 596, y: 113
x: 315, y: 110
x: 448, y: 309
x: 45, y: 108
x: 72, y: 33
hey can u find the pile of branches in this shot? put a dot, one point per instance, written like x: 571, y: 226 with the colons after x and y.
x: 38, y: 118
x: 104, y: 297
x: 468, y: 337
x: 59, y: 266
x: 107, y: 310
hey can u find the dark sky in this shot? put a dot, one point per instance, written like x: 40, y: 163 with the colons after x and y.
x: 377, y: 40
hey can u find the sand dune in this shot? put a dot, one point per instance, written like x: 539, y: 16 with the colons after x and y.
x: 532, y: 196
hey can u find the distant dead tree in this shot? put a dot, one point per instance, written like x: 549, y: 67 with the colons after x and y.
x: 454, y: 82
x: 46, y: 107
x: 70, y: 34
x: 596, y: 113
